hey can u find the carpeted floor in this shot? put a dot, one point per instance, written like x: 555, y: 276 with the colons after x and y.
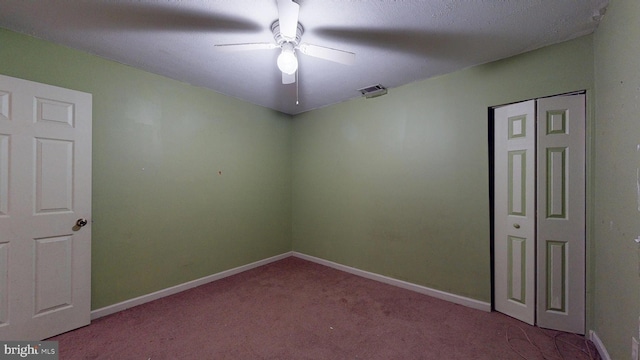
x: 295, y: 309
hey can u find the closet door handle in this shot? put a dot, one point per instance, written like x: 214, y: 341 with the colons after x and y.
x: 517, y: 226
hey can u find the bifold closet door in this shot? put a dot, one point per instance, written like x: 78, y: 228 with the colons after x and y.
x: 561, y: 213
x: 514, y: 210
x: 539, y: 212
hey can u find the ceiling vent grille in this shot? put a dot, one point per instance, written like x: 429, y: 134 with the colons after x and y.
x: 373, y: 91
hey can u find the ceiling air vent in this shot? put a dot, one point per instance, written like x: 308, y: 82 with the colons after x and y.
x: 373, y: 91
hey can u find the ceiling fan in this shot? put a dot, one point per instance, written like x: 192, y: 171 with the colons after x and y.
x: 287, y: 32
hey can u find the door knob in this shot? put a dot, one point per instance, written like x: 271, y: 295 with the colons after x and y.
x: 81, y: 222
x: 517, y: 226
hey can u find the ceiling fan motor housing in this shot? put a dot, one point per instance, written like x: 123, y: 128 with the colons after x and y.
x: 275, y: 28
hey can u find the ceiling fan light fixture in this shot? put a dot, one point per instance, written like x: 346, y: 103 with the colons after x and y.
x: 287, y: 61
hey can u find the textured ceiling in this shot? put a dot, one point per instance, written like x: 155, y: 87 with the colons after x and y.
x: 396, y: 42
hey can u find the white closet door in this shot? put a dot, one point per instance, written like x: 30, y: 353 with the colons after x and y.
x: 561, y: 213
x: 514, y: 219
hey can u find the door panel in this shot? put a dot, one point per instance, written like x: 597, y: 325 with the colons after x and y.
x: 53, y: 270
x: 45, y: 185
x: 556, y: 182
x: 561, y: 221
x: 514, y: 241
x: 54, y: 175
x: 4, y: 284
x: 516, y: 269
x: 556, y: 290
x: 4, y: 174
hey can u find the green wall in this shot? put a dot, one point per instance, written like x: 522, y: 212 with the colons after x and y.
x: 399, y: 185
x: 162, y: 214
x: 617, y: 197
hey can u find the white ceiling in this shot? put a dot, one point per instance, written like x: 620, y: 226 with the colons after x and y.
x: 396, y: 41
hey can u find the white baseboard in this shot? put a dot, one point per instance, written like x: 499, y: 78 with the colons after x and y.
x: 111, y: 309
x: 457, y: 299
x: 599, y: 345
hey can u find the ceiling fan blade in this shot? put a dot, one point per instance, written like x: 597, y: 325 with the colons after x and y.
x: 149, y: 16
x: 335, y: 55
x: 288, y: 18
x: 288, y: 78
x: 245, y: 47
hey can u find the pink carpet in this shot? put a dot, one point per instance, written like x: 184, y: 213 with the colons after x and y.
x: 295, y: 309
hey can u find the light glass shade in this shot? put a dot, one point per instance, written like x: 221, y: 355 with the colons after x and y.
x: 287, y: 61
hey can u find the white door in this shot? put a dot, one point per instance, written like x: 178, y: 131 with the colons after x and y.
x: 539, y: 221
x: 45, y: 187
x: 514, y: 210
x: 561, y: 215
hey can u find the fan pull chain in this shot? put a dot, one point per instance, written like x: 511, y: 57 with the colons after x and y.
x: 297, y: 82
